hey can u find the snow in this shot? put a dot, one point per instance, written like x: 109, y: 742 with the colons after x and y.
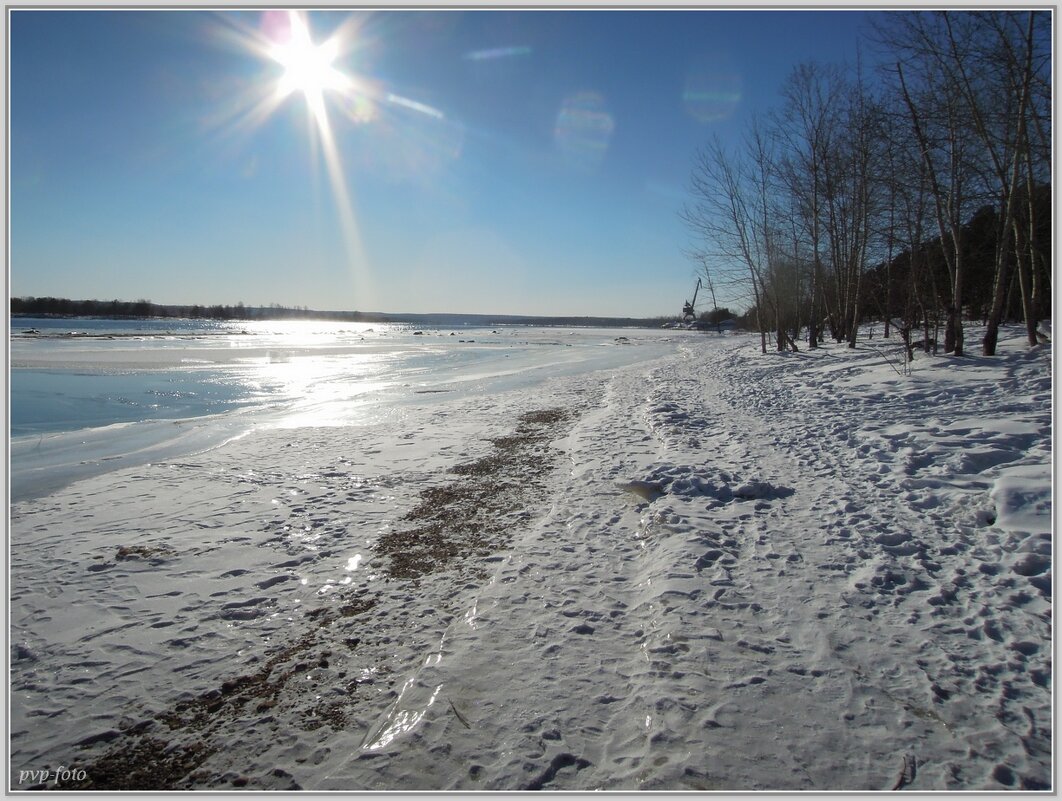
x: 700, y: 568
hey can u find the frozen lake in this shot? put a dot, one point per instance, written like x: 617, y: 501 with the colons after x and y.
x: 92, y: 395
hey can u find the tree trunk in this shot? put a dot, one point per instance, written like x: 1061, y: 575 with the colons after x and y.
x: 1034, y: 305
x: 1025, y: 285
x: 953, y: 335
x: 955, y: 319
x: 813, y: 319
x: 853, y: 331
x: 999, y: 294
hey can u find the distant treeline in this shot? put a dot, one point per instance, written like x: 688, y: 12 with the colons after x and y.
x: 62, y: 307
x: 143, y: 309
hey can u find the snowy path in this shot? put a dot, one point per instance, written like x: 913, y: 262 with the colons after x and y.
x: 739, y: 572
x: 821, y: 632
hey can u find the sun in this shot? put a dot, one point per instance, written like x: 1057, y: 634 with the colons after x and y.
x: 308, y: 67
x: 299, y: 65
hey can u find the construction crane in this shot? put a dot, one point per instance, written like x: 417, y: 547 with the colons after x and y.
x: 688, y: 314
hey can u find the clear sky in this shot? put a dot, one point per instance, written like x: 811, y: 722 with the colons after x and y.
x: 494, y: 161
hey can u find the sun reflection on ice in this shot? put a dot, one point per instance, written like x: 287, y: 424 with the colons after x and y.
x: 402, y: 720
x: 321, y: 388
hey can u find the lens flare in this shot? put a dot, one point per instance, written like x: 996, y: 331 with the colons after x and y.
x: 583, y: 130
x: 497, y: 52
x: 713, y: 89
x: 414, y: 105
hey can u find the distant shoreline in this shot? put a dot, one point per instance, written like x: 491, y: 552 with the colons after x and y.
x: 252, y: 314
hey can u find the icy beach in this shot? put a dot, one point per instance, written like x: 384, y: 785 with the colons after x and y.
x: 562, y: 560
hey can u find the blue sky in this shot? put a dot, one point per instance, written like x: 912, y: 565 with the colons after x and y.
x: 509, y: 162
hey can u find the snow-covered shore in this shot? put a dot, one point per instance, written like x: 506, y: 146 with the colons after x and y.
x: 716, y: 570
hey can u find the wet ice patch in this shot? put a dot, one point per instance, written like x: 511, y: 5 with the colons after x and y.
x: 646, y: 490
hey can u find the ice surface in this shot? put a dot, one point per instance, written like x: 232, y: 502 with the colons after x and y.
x: 82, y: 407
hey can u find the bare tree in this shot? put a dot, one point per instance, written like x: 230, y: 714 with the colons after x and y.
x: 864, y: 157
x: 767, y: 228
x: 943, y: 153
x: 977, y: 109
x: 806, y: 125
x: 721, y: 216
x: 906, y: 183
x: 993, y: 70
x: 846, y: 177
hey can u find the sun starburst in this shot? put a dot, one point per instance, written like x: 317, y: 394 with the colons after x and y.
x: 320, y: 72
x: 308, y: 67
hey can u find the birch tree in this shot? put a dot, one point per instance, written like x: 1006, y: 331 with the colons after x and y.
x: 973, y: 86
x: 806, y: 125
